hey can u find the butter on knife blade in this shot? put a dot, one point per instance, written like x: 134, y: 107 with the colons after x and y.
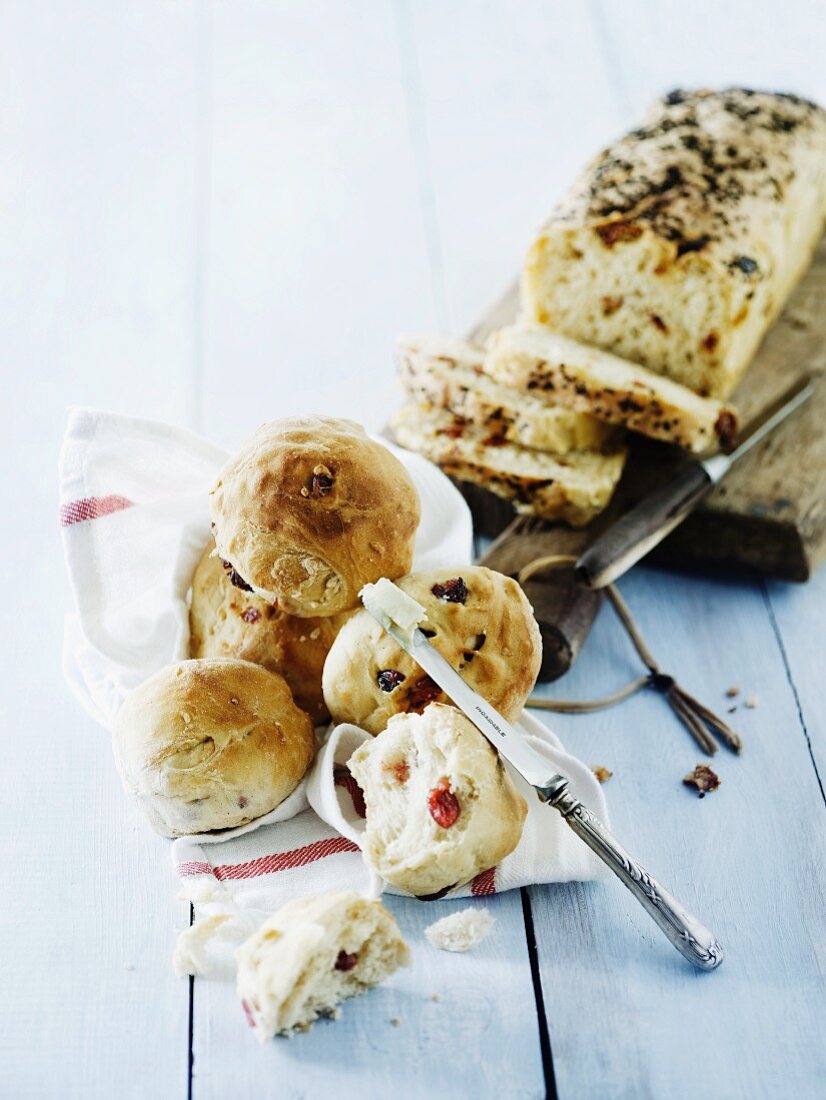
x: 385, y: 600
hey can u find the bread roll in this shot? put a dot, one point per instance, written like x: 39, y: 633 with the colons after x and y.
x: 312, y: 954
x: 679, y: 244
x: 480, y: 621
x: 573, y: 487
x: 309, y: 510
x: 440, y: 806
x: 540, y: 363
x: 211, y: 744
x: 225, y: 621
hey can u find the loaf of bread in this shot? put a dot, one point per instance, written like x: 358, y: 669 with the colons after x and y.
x: 540, y: 362
x: 225, y: 621
x: 679, y: 245
x: 479, y: 620
x: 310, y: 955
x: 211, y: 744
x: 573, y: 487
x: 309, y: 510
x: 446, y: 373
x: 440, y: 806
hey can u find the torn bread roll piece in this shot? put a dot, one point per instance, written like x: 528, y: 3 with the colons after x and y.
x: 560, y: 370
x: 679, y: 245
x: 312, y: 954
x: 447, y: 373
x: 573, y: 487
x: 440, y: 805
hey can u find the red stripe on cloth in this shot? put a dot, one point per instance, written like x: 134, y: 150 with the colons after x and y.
x: 186, y: 870
x: 344, y: 779
x: 269, y: 865
x: 78, y: 511
x: 484, y: 883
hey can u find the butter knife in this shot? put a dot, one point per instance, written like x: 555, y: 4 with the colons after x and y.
x: 695, y: 942
x: 646, y: 524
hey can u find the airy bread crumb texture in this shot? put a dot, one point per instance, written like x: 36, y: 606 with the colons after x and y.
x: 441, y: 807
x: 311, y: 955
x: 460, y: 931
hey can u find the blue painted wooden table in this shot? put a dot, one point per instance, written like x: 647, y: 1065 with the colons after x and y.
x: 216, y: 213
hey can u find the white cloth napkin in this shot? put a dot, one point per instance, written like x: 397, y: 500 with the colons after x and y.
x: 135, y: 521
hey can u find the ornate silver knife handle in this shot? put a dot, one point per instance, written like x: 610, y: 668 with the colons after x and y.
x: 687, y: 934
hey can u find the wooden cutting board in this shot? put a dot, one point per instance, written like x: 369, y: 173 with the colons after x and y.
x: 768, y: 515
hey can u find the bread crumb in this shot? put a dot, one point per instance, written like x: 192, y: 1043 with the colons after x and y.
x: 731, y: 710
x: 703, y: 779
x: 395, y: 1021
x: 460, y: 931
x: 435, y: 997
x: 602, y: 774
x: 751, y: 702
x: 733, y: 692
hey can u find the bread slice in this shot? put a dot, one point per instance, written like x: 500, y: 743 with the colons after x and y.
x: 679, y: 245
x: 543, y: 363
x: 448, y: 374
x: 573, y: 487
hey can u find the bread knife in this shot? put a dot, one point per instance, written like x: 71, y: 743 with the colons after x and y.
x: 695, y: 942
x: 646, y: 524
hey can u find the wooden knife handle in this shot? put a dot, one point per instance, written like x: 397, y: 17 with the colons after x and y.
x: 564, y: 609
x: 642, y: 528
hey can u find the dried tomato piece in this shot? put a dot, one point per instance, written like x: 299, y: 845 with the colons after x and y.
x: 443, y: 804
x: 346, y: 962
x: 454, y: 591
x: 251, y: 615
x: 400, y: 770
x: 389, y: 679
x: 424, y: 691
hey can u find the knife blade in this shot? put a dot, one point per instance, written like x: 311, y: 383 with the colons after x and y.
x: 645, y: 525
x: 694, y: 941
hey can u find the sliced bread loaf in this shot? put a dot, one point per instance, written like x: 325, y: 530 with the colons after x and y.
x: 678, y: 245
x: 544, y: 364
x: 574, y: 487
x: 448, y: 373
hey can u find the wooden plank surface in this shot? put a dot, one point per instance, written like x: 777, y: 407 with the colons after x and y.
x: 749, y: 859
x: 215, y: 216
x: 96, y: 265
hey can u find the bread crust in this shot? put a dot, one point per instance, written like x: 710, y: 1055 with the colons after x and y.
x: 554, y: 367
x: 439, y: 750
x: 678, y: 245
x: 310, y: 509
x: 211, y: 744
x: 224, y: 621
x: 491, y: 638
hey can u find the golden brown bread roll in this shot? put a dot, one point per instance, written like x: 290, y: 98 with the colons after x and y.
x: 310, y: 510
x: 224, y: 621
x: 211, y: 744
x: 480, y: 621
